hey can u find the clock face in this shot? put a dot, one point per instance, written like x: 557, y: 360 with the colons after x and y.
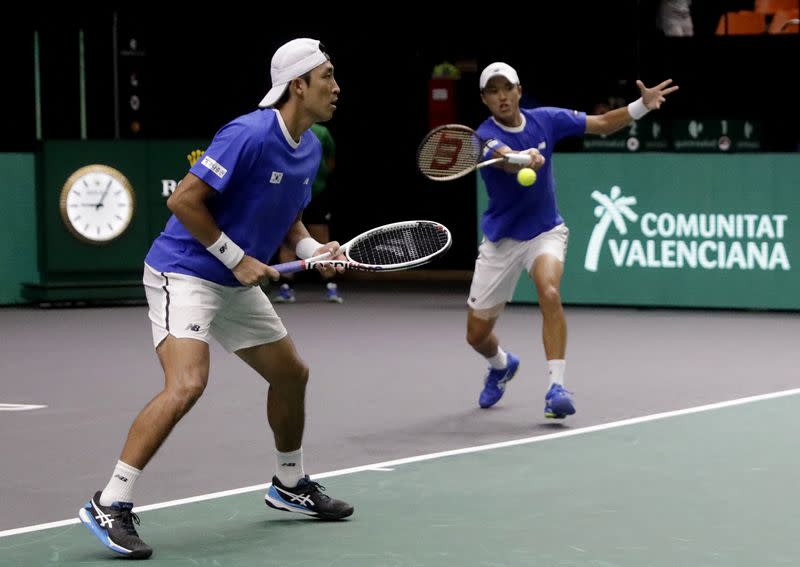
x: 97, y: 204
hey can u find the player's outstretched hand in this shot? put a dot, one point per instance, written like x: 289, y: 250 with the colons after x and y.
x: 654, y: 97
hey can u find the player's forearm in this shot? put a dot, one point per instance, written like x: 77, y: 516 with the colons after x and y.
x: 188, y: 203
x: 194, y: 215
x: 297, y: 232
x: 303, y: 244
x: 609, y: 122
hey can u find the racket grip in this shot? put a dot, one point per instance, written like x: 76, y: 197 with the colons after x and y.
x: 519, y: 158
x: 291, y: 267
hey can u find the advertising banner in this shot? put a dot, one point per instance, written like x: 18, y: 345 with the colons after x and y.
x: 672, y: 230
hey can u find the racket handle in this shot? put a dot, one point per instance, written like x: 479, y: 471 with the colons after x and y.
x: 291, y: 267
x: 485, y: 163
x: 299, y: 265
x: 519, y: 158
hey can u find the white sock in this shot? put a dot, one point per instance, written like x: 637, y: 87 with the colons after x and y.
x: 120, y: 487
x: 290, y: 467
x: 498, y: 361
x: 555, y: 369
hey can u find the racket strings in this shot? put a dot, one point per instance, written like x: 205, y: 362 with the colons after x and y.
x: 447, y: 151
x: 400, y: 245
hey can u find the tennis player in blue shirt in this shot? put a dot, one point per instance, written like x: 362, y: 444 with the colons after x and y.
x: 523, y: 228
x: 236, y: 206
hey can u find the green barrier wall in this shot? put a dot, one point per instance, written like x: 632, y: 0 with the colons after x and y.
x: 678, y: 230
x: 73, y: 270
x: 18, y: 229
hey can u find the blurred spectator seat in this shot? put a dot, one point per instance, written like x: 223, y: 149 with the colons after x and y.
x: 743, y: 22
x: 773, y: 6
x: 785, y: 21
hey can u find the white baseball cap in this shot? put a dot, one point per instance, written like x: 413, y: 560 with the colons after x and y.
x: 498, y: 68
x: 292, y: 59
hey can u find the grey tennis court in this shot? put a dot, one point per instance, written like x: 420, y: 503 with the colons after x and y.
x: 681, y: 453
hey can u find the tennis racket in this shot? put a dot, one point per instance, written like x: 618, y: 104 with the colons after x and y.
x: 452, y: 151
x: 387, y: 248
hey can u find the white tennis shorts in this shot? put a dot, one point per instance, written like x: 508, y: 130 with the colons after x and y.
x: 187, y: 307
x: 500, y: 263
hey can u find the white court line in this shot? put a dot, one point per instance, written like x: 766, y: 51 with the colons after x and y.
x: 20, y: 407
x: 431, y: 456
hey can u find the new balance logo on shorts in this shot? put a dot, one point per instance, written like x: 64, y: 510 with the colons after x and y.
x: 276, y: 177
x: 193, y: 327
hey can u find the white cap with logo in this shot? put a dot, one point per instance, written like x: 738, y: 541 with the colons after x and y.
x: 501, y: 69
x: 292, y: 59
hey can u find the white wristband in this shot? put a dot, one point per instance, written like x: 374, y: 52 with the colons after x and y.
x: 226, y: 251
x: 306, y: 248
x: 637, y: 109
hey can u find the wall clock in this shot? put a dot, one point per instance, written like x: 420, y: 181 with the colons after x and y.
x: 97, y: 204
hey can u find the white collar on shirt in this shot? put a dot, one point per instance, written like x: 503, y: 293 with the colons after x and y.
x: 282, y: 124
x: 513, y: 130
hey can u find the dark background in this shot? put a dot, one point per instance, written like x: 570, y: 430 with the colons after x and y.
x: 199, y: 69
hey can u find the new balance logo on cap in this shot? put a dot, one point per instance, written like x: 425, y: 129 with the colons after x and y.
x: 276, y: 177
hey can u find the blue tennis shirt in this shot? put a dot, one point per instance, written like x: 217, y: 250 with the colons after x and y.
x: 263, y: 180
x: 521, y: 212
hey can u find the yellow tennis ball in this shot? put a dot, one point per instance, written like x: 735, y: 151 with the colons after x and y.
x: 526, y: 177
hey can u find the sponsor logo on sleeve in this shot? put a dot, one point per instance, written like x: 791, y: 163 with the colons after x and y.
x: 214, y: 167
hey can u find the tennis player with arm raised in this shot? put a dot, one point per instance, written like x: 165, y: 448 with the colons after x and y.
x: 231, y: 212
x: 523, y: 229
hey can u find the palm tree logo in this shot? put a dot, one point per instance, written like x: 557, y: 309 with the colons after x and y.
x: 611, y: 208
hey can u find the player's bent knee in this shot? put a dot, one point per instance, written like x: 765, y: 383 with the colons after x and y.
x: 294, y: 376
x: 550, y: 296
x: 476, y: 336
x: 302, y: 374
x: 475, y: 341
x: 183, y: 396
x: 478, y: 330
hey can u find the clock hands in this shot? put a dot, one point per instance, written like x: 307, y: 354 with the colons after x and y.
x: 103, y: 197
x: 89, y: 212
